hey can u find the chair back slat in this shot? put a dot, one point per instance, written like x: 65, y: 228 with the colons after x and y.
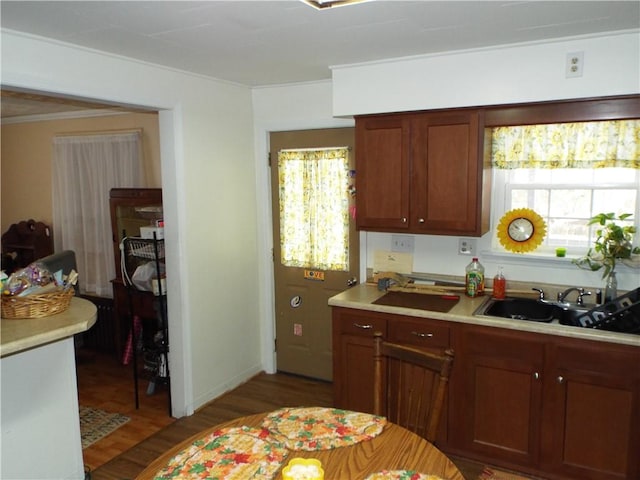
x: 410, y: 385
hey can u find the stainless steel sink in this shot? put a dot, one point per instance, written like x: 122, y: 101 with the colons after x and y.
x: 529, y: 309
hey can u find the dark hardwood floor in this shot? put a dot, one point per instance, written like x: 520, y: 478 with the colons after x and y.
x: 103, y: 382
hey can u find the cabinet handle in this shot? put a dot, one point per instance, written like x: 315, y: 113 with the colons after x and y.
x: 560, y: 379
x: 421, y: 220
x: 422, y: 335
x: 404, y: 219
x: 536, y: 375
x: 364, y: 327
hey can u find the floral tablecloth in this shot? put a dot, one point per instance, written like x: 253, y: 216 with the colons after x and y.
x: 241, y: 453
x: 319, y: 428
x: 401, y: 475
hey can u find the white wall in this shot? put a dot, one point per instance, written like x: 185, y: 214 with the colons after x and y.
x: 511, y: 74
x: 209, y: 194
x: 40, y: 436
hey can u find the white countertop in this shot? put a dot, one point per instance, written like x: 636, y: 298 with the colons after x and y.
x: 19, y: 334
x: 361, y: 297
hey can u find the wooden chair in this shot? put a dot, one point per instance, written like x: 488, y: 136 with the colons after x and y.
x: 410, y: 386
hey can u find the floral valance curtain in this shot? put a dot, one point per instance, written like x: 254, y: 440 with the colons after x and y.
x: 314, y: 208
x: 567, y: 145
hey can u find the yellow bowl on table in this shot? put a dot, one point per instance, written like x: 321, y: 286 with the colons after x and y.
x: 303, y: 469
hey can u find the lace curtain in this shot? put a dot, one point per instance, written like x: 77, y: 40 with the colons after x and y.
x: 85, y: 168
x: 314, y: 208
x: 568, y: 145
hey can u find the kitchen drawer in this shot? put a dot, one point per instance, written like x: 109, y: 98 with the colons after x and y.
x: 362, y: 324
x: 420, y: 333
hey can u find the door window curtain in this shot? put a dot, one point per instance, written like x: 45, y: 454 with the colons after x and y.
x: 605, y: 144
x: 314, y: 208
x: 85, y: 169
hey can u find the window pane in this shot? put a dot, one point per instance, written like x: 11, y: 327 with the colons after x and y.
x: 618, y: 201
x: 570, y: 203
x: 567, y: 233
x: 537, y: 200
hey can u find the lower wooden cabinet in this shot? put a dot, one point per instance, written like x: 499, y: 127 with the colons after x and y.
x: 353, y: 357
x: 559, y: 407
x: 499, y: 397
x: 592, y: 428
x: 353, y: 353
x: 556, y: 407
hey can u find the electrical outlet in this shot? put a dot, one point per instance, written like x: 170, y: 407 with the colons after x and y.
x: 575, y: 64
x: 402, y: 243
x: 467, y: 246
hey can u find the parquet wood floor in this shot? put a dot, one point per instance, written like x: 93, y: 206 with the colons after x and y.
x: 126, y: 452
x: 103, y: 382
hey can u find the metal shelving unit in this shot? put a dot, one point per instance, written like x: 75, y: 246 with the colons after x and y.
x: 136, y: 253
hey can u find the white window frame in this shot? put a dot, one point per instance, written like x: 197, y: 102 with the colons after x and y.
x: 501, y: 198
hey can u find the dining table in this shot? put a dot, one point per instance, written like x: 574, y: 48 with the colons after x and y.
x: 394, y: 449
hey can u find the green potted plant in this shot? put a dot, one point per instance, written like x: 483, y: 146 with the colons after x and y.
x: 613, y: 243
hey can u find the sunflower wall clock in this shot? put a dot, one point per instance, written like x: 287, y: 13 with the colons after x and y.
x: 521, y: 230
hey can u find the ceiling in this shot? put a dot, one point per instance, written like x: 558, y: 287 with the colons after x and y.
x: 260, y: 43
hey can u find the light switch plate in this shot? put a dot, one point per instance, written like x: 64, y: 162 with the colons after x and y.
x: 402, y: 243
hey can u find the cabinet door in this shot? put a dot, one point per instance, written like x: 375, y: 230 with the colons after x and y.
x: 498, y: 406
x: 446, y: 179
x: 382, y: 173
x: 353, y: 357
x: 594, y: 408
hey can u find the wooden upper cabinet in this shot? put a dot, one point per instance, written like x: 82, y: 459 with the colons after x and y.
x: 421, y: 173
x: 446, y: 180
x: 382, y: 166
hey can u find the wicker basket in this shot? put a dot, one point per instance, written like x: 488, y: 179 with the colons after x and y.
x: 37, y: 306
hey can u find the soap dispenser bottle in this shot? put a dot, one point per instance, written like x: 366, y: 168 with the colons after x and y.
x: 499, y: 285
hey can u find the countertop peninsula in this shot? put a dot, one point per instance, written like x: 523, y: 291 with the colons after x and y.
x: 362, y: 297
x: 20, y: 334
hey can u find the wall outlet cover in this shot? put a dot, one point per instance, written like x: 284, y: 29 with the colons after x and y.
x: 467, y: 246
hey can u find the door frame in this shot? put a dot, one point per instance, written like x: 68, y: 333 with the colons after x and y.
x: 266, y: 294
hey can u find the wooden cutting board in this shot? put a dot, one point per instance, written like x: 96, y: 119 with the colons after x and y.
x: 434, y: 303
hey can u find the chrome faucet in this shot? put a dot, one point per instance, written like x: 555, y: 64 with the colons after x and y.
x: 540, y: 293
x: 581, y: 294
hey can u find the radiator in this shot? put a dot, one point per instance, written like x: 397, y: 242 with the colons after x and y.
x: 101, y: 335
